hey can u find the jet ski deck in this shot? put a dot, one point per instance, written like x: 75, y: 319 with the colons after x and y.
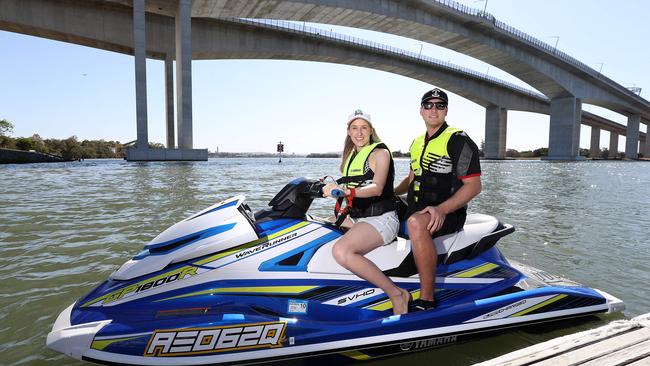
x: 227, y: 286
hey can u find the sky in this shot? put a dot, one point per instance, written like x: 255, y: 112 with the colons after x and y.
x: 58, y: 90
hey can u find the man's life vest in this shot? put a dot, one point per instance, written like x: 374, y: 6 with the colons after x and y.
x: 435, y: 180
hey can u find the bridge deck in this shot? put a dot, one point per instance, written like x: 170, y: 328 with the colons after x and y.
x: 624, y: 342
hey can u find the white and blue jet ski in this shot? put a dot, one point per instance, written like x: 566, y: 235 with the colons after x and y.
x: 229, y: 286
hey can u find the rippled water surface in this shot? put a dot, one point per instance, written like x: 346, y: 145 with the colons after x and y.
x: 66, y: 227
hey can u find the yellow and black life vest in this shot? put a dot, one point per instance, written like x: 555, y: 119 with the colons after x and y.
x: 435, y: 181
x: 357, y: 173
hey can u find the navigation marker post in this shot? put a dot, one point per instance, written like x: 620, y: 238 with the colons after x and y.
x: 280, y: 150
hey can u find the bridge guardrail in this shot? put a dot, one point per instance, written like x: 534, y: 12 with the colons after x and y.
x: 292, y: 26
x: 543, y: 45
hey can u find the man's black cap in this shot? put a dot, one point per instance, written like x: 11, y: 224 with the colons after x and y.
x: 435, y: 93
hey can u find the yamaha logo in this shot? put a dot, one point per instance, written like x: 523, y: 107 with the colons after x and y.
x: 427, y: 343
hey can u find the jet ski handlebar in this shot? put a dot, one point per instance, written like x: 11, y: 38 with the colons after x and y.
x: 313, y: 189
x: 293, y: 200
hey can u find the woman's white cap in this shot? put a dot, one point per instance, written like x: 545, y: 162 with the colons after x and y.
x: 359, y: 114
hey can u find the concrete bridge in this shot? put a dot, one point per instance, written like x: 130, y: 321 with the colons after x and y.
x: 223, y: 38
x: 566, y: 81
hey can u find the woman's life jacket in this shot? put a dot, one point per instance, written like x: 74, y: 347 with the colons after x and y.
x: 357, y: 174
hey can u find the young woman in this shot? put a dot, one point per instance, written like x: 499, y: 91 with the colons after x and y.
x: 368, y: 174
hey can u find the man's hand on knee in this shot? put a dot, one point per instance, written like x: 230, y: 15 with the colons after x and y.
x: 436, y: 218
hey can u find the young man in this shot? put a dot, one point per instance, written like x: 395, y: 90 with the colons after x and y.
x: 445, y: 175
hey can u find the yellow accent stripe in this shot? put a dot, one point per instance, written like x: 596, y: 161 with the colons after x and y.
x: 252, y: 243
x: 473, y: 272
x: 248, y: 290
x: 119, y: 293
x: 416, y: 294
x: 360, y: 356
x: 100, y: 345
x: 551, y: 300
x: 384, y: 305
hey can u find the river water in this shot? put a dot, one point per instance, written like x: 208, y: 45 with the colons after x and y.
x: 64, y: 227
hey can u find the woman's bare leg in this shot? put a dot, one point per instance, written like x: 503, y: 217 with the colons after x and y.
x: 348, y: 252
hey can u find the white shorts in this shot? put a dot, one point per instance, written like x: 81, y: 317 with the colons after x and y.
x: 386, y: 224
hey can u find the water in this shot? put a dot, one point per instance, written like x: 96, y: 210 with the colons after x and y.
x: 64, y: 227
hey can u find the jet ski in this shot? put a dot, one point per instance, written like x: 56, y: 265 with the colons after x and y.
x: 229, y: 286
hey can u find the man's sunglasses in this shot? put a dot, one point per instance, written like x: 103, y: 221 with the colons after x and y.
x: 439, y: 106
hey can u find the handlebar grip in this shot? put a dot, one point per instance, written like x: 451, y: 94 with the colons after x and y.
x: 337, y: 193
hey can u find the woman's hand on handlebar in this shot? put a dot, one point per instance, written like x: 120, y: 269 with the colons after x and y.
x: 334, y: 190
x: 327, y: 189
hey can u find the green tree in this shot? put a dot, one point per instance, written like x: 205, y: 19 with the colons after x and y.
x: 39, y: 144
x: 542, y: 151
x: 72, y: 149
x: 7, y: 142
x: 24, y: 143
x: 156, y: 145
x: 512, y: 153
x: 6, y: 127
x: 55, y: 146
x: 95, y: 149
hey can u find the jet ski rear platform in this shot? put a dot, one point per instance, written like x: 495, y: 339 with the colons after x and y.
x: 226, y: 286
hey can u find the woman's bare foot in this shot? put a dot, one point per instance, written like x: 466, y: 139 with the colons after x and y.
x: 401, y: 302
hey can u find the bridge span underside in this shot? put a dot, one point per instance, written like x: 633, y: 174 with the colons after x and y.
x: 167, y: 40
x: 242, y: 40
x: 566, y: 81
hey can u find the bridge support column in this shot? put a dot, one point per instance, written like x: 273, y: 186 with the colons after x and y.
x: 594, y: 148
x: 169, y: 100
x: 496, y: 123
x: 632, y: 137
x: 564, y: 131
x: 183, y: 90
x: 613, y: 145
x: 140, y: 53
x: 184, y: 73
x: 646, y: 148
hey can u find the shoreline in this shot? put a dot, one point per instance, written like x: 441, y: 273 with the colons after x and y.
x: 11, y: 156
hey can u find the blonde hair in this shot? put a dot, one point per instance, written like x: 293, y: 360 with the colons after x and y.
x: 348, y: 145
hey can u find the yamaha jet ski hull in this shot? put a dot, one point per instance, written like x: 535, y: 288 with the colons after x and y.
x: 227, y: 286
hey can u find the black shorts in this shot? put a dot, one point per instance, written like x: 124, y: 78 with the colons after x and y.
x: 453, y: 223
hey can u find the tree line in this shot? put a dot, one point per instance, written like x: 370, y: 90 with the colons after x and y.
x: 73, y: 149
x: 69, y: 149
x: 538, y: 153
x: 543, y: 151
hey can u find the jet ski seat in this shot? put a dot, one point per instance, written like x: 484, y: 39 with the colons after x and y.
x: 480, y: 233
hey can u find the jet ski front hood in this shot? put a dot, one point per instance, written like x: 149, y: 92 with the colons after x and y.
x: 218, y: 227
